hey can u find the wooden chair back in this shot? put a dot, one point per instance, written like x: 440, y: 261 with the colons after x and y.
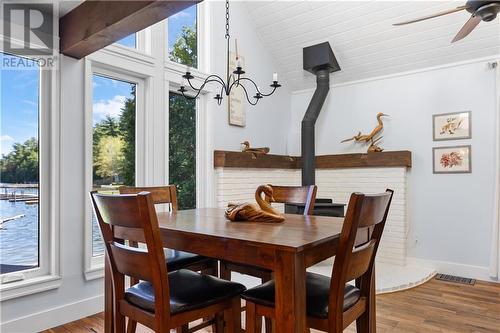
x: 366, y: 214
x: 160, y: 194
x: 132, y: 218
x: 295, y: 194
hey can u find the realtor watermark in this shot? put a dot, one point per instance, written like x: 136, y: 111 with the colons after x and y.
x: 29, y: 35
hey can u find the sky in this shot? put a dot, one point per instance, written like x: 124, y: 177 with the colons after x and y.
x: 19, y: 105
x: 19, y: 91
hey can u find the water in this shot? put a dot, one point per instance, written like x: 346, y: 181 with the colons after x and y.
x: 19, y: 242
x: 97, y: 243
x: 19, y: 237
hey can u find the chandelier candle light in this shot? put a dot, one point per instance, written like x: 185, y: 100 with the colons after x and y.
x: 234, y: 79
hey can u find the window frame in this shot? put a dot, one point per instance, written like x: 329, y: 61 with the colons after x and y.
x: 94, y: 265
x: 47, y: 275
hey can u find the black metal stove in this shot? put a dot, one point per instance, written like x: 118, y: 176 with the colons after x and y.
x: 320, y: 61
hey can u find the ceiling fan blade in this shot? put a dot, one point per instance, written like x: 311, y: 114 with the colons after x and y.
x: 467, y: 28
x: 446, y: 12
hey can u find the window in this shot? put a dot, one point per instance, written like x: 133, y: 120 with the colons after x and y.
x: 183, y: 37
x: 19, y: 166
x: 182, y: 149
x: 113, y: 140
x: 129, y: 41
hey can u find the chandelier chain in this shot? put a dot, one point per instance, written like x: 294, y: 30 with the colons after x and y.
x: 227, y: 18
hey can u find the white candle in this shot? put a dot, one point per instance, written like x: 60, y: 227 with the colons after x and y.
x: 238, y: 62
x: 236, y: 47
x: 275, y: 77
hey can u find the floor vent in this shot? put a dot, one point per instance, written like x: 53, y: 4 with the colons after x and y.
x: 455, y: 279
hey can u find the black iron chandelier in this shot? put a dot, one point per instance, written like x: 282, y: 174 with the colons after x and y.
x: 233, y: 79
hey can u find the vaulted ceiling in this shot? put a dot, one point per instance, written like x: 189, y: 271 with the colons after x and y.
x: 363, y: 38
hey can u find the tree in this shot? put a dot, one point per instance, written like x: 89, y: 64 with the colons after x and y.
x: 184, y: 50
x: 109, y: 158
x: 21, y: 164
x: 182, y: 147
x: 127, y: 129
x: 182, y: 123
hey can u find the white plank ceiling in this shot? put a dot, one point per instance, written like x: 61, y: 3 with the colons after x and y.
x: 363, y: 39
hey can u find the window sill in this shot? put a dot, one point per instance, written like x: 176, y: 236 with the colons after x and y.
x: 95, y: 268
x: 29, y: 286
x: 94, y: 273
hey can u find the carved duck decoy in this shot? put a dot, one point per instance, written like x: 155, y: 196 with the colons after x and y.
x: 247, y: 149
x: 262, y: 212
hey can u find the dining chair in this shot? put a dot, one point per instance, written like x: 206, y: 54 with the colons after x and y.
x: 162, y: 300
x: 175, y: 259
x: 295, y: 195
x: 332, y: 304
x: 281, y: 194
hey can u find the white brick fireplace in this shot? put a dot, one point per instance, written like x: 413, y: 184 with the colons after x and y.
x: 237, y: 180
x: 239, y: 184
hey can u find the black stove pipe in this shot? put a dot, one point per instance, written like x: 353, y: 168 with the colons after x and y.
x: 318, y: 60
x: 308, y: 125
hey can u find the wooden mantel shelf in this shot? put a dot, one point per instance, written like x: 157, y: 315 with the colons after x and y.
x: 388, y: 159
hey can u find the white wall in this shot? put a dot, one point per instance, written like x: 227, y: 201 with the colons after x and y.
x: 450, y: 215
x: 268, y: 121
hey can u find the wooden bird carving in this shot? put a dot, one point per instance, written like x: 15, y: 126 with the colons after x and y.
x: 247, y: 149
x: 366, y: 138
x: 262, y: 212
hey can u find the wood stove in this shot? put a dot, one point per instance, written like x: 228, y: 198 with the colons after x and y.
x: 319, y: 60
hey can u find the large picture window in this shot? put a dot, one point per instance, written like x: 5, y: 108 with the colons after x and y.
x: 113, y: 140
x: 19, y: 166
x: 183, y: 37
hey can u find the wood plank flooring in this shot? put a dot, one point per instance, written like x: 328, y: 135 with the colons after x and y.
x: 431, y: 308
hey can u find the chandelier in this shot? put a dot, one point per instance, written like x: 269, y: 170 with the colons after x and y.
x: 233, y: 80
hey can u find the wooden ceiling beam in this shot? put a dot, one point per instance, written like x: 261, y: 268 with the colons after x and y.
x: 95, y: 24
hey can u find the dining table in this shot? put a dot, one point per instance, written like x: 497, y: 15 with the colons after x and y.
x: 287, y: 248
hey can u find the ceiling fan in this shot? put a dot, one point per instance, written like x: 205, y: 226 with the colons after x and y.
x: 480, y: 10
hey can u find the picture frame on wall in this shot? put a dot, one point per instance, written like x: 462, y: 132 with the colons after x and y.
x: 453, y: 159
x: 236, y: 105
x: 451, y: 126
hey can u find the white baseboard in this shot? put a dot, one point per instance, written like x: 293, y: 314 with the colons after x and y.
x: 54, y: 317
x: 452, y: 268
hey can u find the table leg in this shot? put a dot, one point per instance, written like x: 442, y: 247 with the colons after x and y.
x: 108, y: 297
x: 290, y: 277
x: 372, y: 307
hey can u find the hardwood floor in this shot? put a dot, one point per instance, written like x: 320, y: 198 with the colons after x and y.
x: 433, y: 307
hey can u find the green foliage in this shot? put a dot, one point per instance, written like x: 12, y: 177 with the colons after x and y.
x: 127, y: 128
x: 185, y: 49
x: 21, y: 164
x: 114, y: 147
x: 182, y: 147
x: 109, y: 157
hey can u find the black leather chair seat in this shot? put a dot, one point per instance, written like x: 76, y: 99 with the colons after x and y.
x: 188, y: 291
x: 180, y: 259
x: 317, y: 293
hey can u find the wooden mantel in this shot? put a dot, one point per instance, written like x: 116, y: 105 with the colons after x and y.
x: 388, y: 159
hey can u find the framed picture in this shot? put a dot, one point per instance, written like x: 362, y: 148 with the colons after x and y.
x: 452, y: 159
x: 451, y: 126
x: 236, y: 105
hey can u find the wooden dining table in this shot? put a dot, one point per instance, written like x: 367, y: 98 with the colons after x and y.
x: 286, y: 248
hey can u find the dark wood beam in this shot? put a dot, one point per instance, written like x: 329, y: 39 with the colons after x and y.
x: 386, y: 159
x: 95, y: 24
